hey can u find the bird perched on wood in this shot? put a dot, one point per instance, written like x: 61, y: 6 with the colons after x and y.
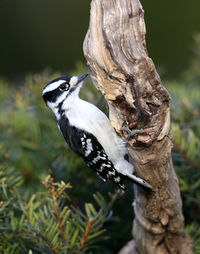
x: 88, y: 131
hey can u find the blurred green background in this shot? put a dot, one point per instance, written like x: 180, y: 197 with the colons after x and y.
x: 40, y: 33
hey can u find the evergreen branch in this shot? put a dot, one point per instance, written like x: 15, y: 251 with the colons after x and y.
x: 56, y: 208
x: 48, y: 242
x: 58, y: 214
x: 87, y: 230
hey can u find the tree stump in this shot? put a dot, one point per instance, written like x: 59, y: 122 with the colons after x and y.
x: 120, y: 67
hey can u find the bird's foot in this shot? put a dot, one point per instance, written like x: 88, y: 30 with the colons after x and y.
x: 131, y: 133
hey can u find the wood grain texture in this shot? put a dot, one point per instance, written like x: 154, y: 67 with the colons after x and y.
x: 120, y: 67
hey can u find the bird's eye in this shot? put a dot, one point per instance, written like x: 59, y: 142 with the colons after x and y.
x: 64, y: 87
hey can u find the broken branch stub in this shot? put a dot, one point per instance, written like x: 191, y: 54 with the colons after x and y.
x: 120, y: 67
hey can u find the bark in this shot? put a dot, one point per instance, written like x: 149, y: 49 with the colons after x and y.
x: 120, y: 67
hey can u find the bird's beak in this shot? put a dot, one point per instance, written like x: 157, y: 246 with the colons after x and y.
x: 82, y: 77
x: 77, y: 81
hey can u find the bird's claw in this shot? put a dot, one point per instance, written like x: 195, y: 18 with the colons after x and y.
x: 131, y: 133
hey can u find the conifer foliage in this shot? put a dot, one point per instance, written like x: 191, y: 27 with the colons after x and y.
x: 46, y: 222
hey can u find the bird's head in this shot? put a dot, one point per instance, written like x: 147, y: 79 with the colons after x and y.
x: 59, y: 89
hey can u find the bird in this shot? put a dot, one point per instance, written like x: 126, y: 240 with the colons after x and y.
x: 88, y: 131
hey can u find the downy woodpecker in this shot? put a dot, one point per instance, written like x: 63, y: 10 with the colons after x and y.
x: 88, y: 131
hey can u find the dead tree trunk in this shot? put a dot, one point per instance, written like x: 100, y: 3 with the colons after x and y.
x: 120, y: 67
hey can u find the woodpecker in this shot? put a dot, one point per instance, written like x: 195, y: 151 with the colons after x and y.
x: 88, y: 131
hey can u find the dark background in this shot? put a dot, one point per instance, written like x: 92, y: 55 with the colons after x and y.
x: 48, y: 33
x: 35, y: 34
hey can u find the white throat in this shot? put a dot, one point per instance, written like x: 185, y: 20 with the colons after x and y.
x: 71, y: 99
x: 68, y: 101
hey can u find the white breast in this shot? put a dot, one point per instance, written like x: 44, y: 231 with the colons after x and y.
x: 88, y: 117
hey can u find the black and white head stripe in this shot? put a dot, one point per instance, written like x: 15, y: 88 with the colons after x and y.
x: 56, y: 87
x: 70, y: 80
x: 51, y: 92
x: 54, y: 84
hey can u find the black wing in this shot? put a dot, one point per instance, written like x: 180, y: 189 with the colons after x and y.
x: 87, y: 146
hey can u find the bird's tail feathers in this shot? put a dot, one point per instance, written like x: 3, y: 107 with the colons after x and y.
x: 139, y: 181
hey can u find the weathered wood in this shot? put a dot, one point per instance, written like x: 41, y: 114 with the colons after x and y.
x: 120, y: 67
